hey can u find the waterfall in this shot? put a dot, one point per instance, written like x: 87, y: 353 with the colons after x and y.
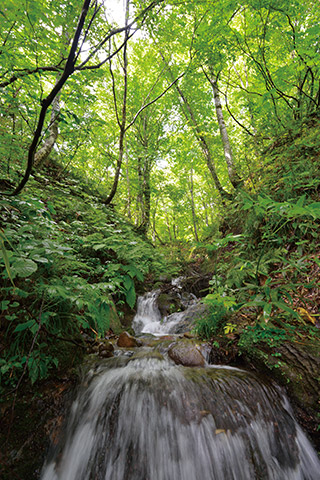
x: 148, y: 318
x: 144, y: 418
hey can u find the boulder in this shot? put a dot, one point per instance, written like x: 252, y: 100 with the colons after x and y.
x: 186, y: 353
x: 126, y: 340
x: 168, y: 303
x: 106, y: 350
x: 186, y: 320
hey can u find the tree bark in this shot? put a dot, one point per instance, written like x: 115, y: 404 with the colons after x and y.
x: 43, y: 153
x: 67, y: 72
x: 128, y: 186
x: 188, y: 113
x: 194, y: 217
x: 228, y: 155
x: 203, y: 143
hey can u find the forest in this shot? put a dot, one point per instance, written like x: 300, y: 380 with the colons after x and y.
x: 142, y: 141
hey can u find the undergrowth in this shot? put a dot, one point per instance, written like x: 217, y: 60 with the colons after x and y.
x: 68, y: 264
x: 265, y: 286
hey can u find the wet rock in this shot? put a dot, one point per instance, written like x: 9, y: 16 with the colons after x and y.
x: 189, y: 335
x: 105, y: 354
x: 185, y: 321
x: 126, y: 340
x: 186, y: 353
x: 106, y: 350
x: 168, y: 303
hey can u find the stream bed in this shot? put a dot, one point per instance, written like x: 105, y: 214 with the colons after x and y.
x: 139, y: 416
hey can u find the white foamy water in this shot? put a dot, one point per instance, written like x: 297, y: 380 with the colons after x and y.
x: 143, y: 419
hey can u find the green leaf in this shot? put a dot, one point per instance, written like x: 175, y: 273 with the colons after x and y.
x: 284, y: 306
x: 4, y: 305
x: 23, y: 326
x: 6, y: 260
x: 37, y: 258
x: 127, y: 282
x: 24, y: 267
x: 33, y: 370
x: 267, y: 308
x: 131, y: 296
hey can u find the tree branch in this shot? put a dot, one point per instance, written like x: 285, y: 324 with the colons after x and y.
x: 31, y: 71
x: 154, y: 100
x: 68, y: 70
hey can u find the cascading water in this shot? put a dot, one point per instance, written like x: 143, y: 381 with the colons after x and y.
x: 148, y: 318
x: 145, y: 418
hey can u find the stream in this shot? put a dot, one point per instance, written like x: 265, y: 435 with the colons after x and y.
x: 139, y: 416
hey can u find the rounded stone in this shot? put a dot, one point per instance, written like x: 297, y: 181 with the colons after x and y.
x: 187, y: 354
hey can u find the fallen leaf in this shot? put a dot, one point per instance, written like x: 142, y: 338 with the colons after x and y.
x: 306, y: 315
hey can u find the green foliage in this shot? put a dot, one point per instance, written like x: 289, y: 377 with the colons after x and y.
x: 272, y: 271
x: 221, y: 306
x: 66, y: 259
x: 253, y: 335
x: 70, y: 262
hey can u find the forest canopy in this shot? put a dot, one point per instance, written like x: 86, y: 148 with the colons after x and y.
x: 182, y: 132
x: 177, y: 98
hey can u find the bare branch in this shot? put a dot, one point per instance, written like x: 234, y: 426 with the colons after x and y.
x: 114, y: 93
x: 31, y: 71
x: 154, y: 100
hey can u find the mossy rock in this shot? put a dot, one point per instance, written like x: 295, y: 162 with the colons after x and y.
x: 114, y: 320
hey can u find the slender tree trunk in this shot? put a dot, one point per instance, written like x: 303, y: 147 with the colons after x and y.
x: 233, y: 176
x: 167, y: 221
x: 146, y: 197
x: 205, y: 207
x: 188, y: 112
x: 140, y: 206
x: 122, y: 123
x: 43, y: 153
x: 194, y: 217
x: 154, y: 231
x: 174, y: 228
x: 145, y: 162
x: 203, y: 143
x: 128, y: 186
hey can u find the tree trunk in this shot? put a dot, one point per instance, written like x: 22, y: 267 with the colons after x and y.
x: 203, y: 143
x: 146, y: 197
x: 233, y: 176
x: 122, y: 124
x: 187, y: 111
x: 167, y: 221
x: 128, y: 187
x: 118, y: 169
x: 43, y: 153
x: 140, y: 206
x: 194, y: 217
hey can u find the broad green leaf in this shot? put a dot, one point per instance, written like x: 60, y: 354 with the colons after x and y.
x: 6, y: 260
x: 131, y: 296
x: 127, y: 282
x: 24, y: 267
x: 267, y: 308
x: 23, y: 326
